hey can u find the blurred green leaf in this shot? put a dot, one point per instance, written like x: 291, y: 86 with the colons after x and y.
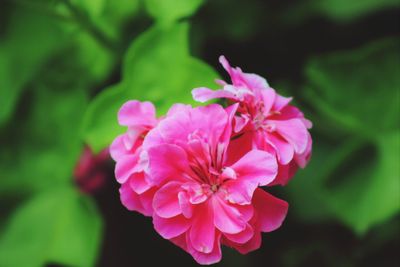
x: 29, y: 41
x: 44, y: 143
x: 93, y: 7
x: 158, y: 68
x: 371, y: 194
x: 358, y: 89
x: 167, y: 11
x: 59, y: 226
x: 357, y: 179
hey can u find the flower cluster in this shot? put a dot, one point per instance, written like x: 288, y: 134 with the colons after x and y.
x: 197, y: 171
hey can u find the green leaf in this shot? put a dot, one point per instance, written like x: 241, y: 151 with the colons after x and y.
x: 167, y: 11
x: 355, y: 180
x: 45, y: 144
x: 93, y: 7
x: 157, y: 68
x: 371, y: 195
x: 20, y: 62
x: 59, y: 226
x: 358, y: 89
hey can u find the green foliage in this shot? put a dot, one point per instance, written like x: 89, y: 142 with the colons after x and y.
x: 55, y: 55
x: 158, y: 68
x: 19, y: 62
x: 58, y: 226
x: 46, y: 138
x: 167, y: 11
x: 357, y: 91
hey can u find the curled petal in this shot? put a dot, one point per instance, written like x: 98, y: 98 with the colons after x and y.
x: 125, y: 168
x: 271, y: 211
x: 226, y: 217
x: 211, y: 257
x: 138, y: 182
x: 170, y: 227
x: 251, y: 245
x: 167, y: 161
x: 294, y: 132
x: 202, y: 232
x: 166, y: 202
x: 256, y: 166
x: 133, y: 201
x: 284, y: 150
x: 136, y: 113
x: 241, y: 237
x: 203, y: 94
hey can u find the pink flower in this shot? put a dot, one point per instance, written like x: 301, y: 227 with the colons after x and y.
x: 202, y: 198
x: 265, y: 120
x: 136, y: 191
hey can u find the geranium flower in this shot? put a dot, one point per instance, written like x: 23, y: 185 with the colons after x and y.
x: 265, y: 120
x: 200, y: 200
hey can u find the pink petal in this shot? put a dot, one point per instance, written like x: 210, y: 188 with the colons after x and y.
x: 131, y: 200
x: 256, y: 166
x: 136, y: 113
x: 168, y: 162
x: 285, y: 173
x: 254, y: 81
x: 202, y: 232
x: 303, y: 159
x: 203, y: 94
x: 178, y: 108
x: 268, y: 99
x: 241, y: 237
x: 284, y: 150
x: 240, y: 192
x: 117, y: 148
x: 253, y: 244
x: 253, y: 169
x: 138, y: 182
x: 146, y: 198
x: 166, y: 202
x: 125, y: 167
x: 211, y: 257
x: 271, y: 211
x: 170, y: 227
x: 185, y: 205
x: 238, y: 147
x: 281, y: 102
x: 294, y: 132
x: 226, y: 217
x: 240, y: 122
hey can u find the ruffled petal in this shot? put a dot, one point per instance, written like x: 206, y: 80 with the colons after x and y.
x: 167, y: 161
x: 211, y: 257
x: 271, y: 211
x: 136, y: 113
x: 226, y: 217
x: 202, y: 232
x: 294, y: 132
x: 166, y: 202
x: 203, y: 94
x: 170, y: 227
x: 241, y: 237
x: 125, y: 168
x: 256, y: 166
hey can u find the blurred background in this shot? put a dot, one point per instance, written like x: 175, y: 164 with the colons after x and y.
x: 67, y: 65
